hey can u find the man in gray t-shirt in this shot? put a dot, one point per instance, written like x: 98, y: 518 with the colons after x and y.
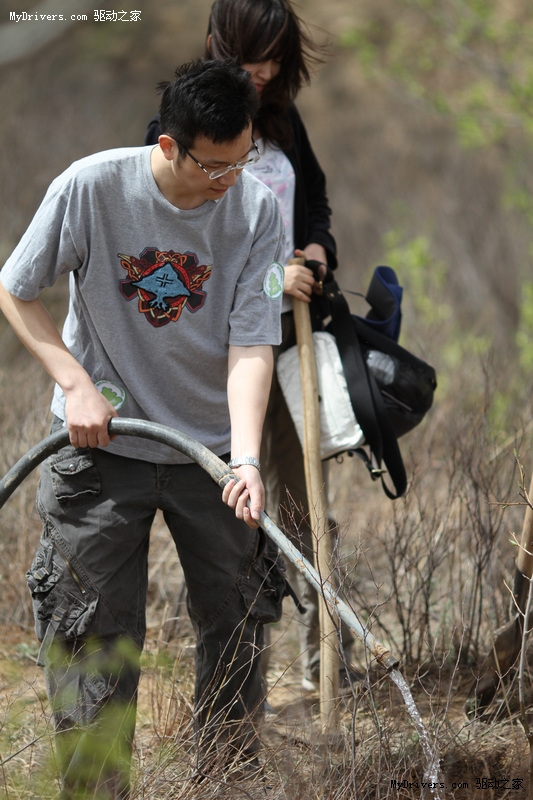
x: 175, y: 292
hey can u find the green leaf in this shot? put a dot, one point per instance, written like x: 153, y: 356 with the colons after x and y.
x: 274, y: 285
x: 110, y: 395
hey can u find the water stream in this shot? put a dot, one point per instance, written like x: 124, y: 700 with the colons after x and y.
x: 431, y: 773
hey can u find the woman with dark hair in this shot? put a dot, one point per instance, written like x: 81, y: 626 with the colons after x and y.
x: 268, y: 40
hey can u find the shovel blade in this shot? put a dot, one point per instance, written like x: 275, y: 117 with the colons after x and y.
x: 505, y: 650
x: 507, y: 639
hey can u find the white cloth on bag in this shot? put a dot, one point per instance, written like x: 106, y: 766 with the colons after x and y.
x: 339, y: 430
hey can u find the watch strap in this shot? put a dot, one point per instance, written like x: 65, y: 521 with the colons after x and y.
x: 241, y: 461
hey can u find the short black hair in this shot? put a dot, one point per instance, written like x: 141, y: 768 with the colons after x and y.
x: 213, y: 99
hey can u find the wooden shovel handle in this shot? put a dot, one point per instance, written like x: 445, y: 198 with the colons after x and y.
x: 304, y: 337
x: 316, y: 497
x: 311, y: 414
x: 524, y: 562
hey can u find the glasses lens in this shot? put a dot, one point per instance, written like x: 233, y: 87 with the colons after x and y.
x: 218, y: 173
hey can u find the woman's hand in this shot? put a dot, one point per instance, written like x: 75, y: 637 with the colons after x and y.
x: 299, y: 280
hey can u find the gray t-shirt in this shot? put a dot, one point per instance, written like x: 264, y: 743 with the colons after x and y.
x: 156, y: 293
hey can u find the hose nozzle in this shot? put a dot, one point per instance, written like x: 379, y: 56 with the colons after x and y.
x: 388, y: 661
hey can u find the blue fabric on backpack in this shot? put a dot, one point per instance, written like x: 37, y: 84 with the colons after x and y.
x: 384, y: 297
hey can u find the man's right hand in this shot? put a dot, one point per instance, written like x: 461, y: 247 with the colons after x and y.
x: 249, y: 487
x: 88, y: 414
x: 87, y: 411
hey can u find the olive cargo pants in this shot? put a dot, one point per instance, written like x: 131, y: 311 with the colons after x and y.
x: 89, y: 581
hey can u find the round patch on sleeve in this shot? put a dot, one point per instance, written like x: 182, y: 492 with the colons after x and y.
x: 115, y: 394
x: 273, y: 281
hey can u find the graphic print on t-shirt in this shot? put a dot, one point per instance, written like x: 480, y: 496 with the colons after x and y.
x: 164, y: 282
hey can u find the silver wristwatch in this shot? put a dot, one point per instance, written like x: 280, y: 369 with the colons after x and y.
x: 240, y: 461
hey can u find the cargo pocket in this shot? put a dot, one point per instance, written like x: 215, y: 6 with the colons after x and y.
x: 265, y: 585
x: 63, y: 606
x: 75, y: 478
x: 78, y: 695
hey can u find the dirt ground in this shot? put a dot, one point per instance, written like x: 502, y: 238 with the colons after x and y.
x: 376, y: 752
x: 482, y: 759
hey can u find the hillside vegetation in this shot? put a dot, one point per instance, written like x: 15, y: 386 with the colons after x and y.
x: 421, y: 118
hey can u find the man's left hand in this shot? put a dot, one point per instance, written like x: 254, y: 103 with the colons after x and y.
x: 249, y: 487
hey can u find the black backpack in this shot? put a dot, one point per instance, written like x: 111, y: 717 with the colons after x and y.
x: 390, y: 389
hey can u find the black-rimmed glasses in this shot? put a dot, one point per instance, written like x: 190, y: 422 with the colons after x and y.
x: 218, y: 173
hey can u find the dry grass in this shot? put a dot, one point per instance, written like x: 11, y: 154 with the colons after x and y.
x: 426, y: 572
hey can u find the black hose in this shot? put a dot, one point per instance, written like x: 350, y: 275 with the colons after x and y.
x: 221, y: 474
x: 216, y: 468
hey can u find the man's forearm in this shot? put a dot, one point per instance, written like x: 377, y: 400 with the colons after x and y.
x: 88, y: 412
x: 37, y: 331
x: 249, y: 378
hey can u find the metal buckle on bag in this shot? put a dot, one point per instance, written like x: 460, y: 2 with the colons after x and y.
x: 375, y: 472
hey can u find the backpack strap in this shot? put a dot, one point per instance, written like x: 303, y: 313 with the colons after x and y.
x: 365, y: 396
